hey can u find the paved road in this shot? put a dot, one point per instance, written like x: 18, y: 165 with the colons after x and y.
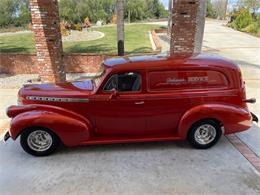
x: 147, y: 168
x: 230, y: 43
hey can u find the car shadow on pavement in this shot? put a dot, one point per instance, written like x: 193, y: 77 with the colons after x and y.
x: 124, y: 147
x: 130, y: 147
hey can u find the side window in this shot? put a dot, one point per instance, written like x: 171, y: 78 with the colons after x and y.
x: 111, y: 83
x: 124, y: 82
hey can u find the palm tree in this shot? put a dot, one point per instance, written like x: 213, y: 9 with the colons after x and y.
x: 120, y: 27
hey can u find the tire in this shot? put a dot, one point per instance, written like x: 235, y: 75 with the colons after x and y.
x: 204, y: 134
x: 39, y: 141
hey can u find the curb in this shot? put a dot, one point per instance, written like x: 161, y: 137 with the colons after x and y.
x: 245, y: 151
x: 156, y: 41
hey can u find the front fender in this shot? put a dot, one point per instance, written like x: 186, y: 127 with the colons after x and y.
x: 71, y: 128
x: 233, y: 118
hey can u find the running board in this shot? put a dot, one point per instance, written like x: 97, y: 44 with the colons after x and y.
x: 112, y: 140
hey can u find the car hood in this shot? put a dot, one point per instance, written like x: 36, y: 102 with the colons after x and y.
x: 68, y: 89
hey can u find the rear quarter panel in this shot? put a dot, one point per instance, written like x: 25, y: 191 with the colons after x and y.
x: 233, y: 118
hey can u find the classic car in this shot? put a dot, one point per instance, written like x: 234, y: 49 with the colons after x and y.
x: 135, y: 99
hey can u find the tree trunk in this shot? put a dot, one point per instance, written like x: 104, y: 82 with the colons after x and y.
x: 170, y: 17
x: 129, y: 16
x: 120, y: 27
x: 226, y: 6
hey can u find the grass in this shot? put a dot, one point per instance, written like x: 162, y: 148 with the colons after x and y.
x: 136, y: 41
x: 13, y: 29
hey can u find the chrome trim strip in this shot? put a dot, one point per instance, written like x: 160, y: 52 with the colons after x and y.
x: 56, y: 99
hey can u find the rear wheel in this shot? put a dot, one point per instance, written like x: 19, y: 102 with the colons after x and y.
x: 204, y: 134
x: 39, y: 141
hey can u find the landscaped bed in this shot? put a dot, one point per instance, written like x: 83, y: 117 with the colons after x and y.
x: 136, y: 41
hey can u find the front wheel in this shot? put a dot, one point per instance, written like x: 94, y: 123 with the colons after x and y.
x: 39, y: 141
x: 204, y: 134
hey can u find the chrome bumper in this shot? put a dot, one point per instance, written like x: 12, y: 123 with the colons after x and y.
x: 6, y: 136
x: 255, y: 118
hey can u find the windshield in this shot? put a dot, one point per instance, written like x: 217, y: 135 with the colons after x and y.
x: 98, y: 79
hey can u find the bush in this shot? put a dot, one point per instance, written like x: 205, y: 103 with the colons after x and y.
x: 251, y: 28
x: 63, y: 30
x: 77, y: 27
x: 243, y: 20
x: 258, y: 21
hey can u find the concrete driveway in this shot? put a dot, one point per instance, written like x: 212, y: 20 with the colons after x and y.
x: 145, y: 168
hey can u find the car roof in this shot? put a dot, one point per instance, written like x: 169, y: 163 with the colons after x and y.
x: 166, y: 61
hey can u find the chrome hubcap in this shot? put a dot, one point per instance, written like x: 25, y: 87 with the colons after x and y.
x: 205, y: 134
x: 39, y: 140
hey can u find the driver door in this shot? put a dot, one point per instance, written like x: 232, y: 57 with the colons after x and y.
x: 119, y: 106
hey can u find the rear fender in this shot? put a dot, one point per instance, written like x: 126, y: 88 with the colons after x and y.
x: 234, y: 119
x: 70, y: 127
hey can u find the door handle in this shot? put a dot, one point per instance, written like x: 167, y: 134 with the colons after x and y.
x: 139, y: 103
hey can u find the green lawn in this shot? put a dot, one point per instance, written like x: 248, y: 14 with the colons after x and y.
x: 136, y: 41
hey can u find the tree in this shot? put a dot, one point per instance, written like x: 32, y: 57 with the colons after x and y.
x: 68, y: 11
x: 210, y: 12
x: 75, y: 11
x: 219, y: 7
x: 158, y: 9
x: 135, y: 10
x: 7, y: 12
x: 252, y: 5
x: 243, y: 20
x: 120, y: 26
x: 24, y: 15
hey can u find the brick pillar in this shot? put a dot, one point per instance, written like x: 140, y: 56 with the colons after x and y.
x: 46, y: 27
x: 184, y: 13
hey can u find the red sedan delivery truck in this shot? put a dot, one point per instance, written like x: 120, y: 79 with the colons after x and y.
x: 135, y: 99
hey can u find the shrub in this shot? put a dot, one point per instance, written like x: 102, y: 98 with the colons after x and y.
x: 251, y: 28
x: 258, y: 21
x: 243, y: 20
x: 63, y: 30
x: 77, y: 27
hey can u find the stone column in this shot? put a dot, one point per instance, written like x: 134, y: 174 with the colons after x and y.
x: 200, y: 20
x: 48, y: 41
x: 184, y: 24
